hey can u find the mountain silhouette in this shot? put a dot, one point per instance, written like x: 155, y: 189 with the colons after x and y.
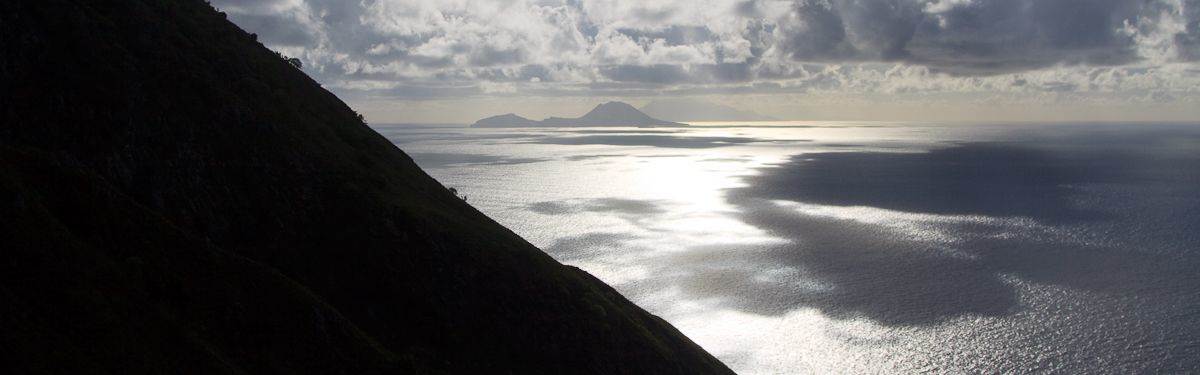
x: 177, y: 198
x: 506, y: 120
x: 606, y: 114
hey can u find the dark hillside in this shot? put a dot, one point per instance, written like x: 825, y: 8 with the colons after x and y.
x: 174, y: 197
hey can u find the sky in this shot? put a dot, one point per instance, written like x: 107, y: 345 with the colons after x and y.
x: 455, y: 61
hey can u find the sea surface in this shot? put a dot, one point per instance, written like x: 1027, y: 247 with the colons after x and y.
x: 843, y: 247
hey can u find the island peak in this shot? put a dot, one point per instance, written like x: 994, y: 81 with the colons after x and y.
x: 612, y: 113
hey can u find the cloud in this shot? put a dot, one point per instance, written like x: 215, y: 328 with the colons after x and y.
x: 1187, y: 40
x: 416, y: 49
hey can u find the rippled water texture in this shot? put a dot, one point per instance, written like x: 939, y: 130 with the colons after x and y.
x: 868, y: 247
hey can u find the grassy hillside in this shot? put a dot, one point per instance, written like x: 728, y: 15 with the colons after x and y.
x: 175, y: 196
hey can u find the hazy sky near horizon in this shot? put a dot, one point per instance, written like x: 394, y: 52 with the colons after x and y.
x: 459, y: 60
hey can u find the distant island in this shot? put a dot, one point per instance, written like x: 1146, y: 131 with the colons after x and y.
x: 607, y: 114
x: 686, y: 110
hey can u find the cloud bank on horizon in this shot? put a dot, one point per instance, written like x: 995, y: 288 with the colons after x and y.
x: 1104, y: 51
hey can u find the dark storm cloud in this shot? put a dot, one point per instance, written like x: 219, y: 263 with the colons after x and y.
x: 663, y: 74
x: 1188, y: 42
x: 850, y: 30
x: 570, y: 47
x: 410, y: 92
x: 673, y: 34
x: 968, y: 37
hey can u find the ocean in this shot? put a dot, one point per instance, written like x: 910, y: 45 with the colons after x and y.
x: 867, y: 247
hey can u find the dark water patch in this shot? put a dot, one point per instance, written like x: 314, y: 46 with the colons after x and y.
x: 664, y: 156
x: 852, y: 269
x: 1028, y: 210
x: 380, y: 127
x: 408, y: 136
x: 585, y: 246
x: 982, y: 178
x: 789, y: 140
x: 631, y: 131
x: 649, y: 140
x: 896, y: 277
x: 589, y: 157
x: 444, y: 159
x: 731, y: 159
x: 832, y: 126
x: 842, y: 145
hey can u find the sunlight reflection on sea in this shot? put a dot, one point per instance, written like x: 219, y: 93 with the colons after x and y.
x: 820, y: 247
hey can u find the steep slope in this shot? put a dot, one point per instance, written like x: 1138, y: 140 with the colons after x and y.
x: 175, y: 197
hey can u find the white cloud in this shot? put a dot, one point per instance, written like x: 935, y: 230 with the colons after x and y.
x: 1126, y: 50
